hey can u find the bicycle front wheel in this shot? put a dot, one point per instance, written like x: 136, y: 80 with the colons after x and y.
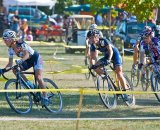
x: 131, y: 98
x: 108, y: 99
x: 145, y: 80
x: 135, y: 74
x: 55, y: 97
x: 155, y: 84
x: 20, y: 102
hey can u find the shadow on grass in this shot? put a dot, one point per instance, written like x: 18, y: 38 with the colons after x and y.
x: 92, y: 108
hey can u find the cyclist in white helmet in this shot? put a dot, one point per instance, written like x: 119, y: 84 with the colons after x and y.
x: 87, y: 51
x: 28, y: 58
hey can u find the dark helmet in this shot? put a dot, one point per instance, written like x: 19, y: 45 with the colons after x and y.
x: 93, y: 33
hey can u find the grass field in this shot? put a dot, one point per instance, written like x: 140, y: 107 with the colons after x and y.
x: 92, y: 108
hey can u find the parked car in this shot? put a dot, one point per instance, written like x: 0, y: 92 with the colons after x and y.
x: 132, y: 31
x: 29, y: 13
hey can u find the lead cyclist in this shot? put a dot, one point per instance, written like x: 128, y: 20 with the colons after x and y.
x: 28, y: 58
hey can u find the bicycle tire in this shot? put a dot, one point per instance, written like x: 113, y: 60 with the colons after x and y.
x: 131, y: 101
x: 109, y: 100
x: 135, y: 77
x: 20, y: 102
x: 145, y: 82
x: 55, y: 97
x: 155, y: 81
x: 87, y: 75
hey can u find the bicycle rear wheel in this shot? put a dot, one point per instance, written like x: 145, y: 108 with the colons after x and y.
x: 155, y: 84
x: 87, y: 75
x: 108, y: 99
x: 131, y: 98
x: 135, y: 74
x: 20, y: 102
x: 55, y: 97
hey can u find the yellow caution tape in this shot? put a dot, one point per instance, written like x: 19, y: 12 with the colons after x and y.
x: 106, y: 27
x: 69, y: 71
x: 81, y: 90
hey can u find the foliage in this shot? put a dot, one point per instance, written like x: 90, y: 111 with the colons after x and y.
x: 61, y: 4
x: 141, y: 8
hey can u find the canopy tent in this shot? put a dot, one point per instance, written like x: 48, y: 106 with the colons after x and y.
x: 49, y: 3
x: 86, y: 7
x: 77, y: 8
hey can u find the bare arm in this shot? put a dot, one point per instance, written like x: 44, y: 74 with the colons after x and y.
x: 10, y: 63
x: 109, y: 48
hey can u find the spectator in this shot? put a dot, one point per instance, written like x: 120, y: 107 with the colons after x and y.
x: 29, y: 37
x: 121, y: 26
x: 15, y: 22
x: 98, y: 19
x: 24, y: 28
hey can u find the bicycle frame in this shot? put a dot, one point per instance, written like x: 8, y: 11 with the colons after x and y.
x: 20, y: 79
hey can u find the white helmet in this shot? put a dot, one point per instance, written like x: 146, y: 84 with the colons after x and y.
x: 93, y: 26
x: 9, y: 34
x: 147, y: 28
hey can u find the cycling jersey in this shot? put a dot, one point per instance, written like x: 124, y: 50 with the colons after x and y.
x: 34, y: 60
x: 102, y: 47
x: 143, y: 46
x: 154, y: 49
x: 24, y: 46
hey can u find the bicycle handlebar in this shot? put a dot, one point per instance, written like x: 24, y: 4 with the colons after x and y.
x: 8, y: 69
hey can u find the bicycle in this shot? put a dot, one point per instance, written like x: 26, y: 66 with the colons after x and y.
x: 106, y: 83
x: 90, y: 73
x: 155, y: 79
x: 141, y: 74
x: 145, y: 77
x: 87, y: 74
x: 21, y: 102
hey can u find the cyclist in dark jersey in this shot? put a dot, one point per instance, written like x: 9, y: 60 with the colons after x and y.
x: 110, y: 52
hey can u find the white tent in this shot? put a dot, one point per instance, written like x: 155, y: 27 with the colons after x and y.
x: 50, y: 3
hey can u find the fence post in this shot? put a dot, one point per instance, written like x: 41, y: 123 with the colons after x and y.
x: 79, y: 108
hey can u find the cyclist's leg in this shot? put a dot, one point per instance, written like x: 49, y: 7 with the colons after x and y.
x: 119, y: 72
x: 38, y: 75
x: 117, y: 62
x: 135, y: 55
x: 100, y: 71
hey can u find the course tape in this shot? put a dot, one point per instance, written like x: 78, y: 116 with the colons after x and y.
x: 82, y: 91
x: 69, y: 71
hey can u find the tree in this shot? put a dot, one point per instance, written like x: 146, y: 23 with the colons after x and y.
x: 141, y: 8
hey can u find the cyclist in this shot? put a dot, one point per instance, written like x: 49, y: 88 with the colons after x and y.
x: 140, y: 49
x: 110, y: 53
x: 153, y: 45
x: 87, y: 51
x: 29, y: 58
